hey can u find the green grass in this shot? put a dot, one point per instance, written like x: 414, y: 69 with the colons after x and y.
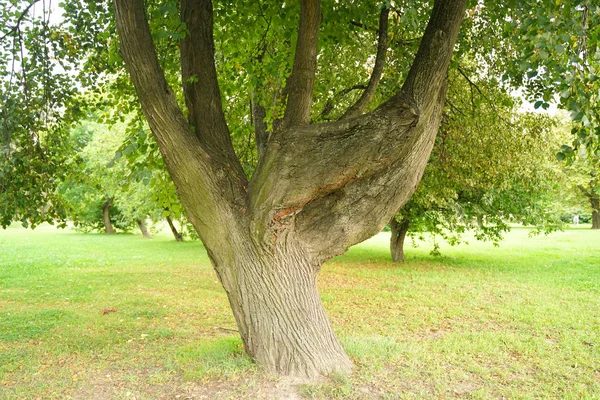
x: 517, y: 321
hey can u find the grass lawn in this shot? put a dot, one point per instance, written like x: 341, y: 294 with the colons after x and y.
x: 120, y: 317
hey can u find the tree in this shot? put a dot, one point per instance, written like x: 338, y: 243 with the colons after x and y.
x: 490, y: 165
x: 584, y: 180
x: 317, y: 189
x: 557, y: 59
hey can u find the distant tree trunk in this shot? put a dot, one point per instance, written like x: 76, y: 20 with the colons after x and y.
x: 595, y: 212
x: 177, y: 235
x: 399, y: 230
x: 106, y: 217
x: 143, y: 228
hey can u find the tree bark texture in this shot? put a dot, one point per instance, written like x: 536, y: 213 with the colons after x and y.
x: 176, y: 234
x: 317, y: 190
x: 143, y: 228
x: 399, y: 231
x: 108, y: 228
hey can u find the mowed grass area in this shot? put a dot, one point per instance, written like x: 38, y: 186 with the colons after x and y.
x: 120, y: 317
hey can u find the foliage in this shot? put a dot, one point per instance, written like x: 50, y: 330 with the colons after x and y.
x: 104, y: 179
x: 557, y: 59
x: 35, y: 88
x: 490, y: 166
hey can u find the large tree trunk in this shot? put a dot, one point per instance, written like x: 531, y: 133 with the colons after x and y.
x: 106, y: 217
x: 143, y: 228
x: 274, y: 298
x: 399, y: 230
x: 317, y: 189
x: 595, y: 212
x: 177, y: 235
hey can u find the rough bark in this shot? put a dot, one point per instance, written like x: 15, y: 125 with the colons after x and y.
x: 318, y: 189
x: 399, y: 230
x: 176, y: 234
x: 108, y: 228
x: 143, y: 228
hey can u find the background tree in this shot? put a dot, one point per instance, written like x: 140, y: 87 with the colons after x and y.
x: 557, y: 58
x: 491, y: 165
x: 583, y: 181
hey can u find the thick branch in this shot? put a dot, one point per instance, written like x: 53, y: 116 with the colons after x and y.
x: 200, y: 86
x: 430, y: 66
x: 382, y: 45
x: 301, y: 82
x: 207, y: 185
x: 584, y: 191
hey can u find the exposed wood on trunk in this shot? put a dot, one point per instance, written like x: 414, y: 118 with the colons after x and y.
x: 108, y: 228
x: 399, y: 231
x: 382, y: 45
x: 143, y: 228
x: 176, y: 234
x: 301, y: 82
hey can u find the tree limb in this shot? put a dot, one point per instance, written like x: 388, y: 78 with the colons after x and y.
x: 19, y: 20
x: 382, y: 44
x: 585, y: 192
x: 261, y: 135
x: 302, y: 79
x: 209, y: 188
x: 487, y: 99
x: 200, y: 85
x: 429, y: 68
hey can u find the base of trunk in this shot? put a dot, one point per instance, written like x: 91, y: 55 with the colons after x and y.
x: 280, y: 316
x: 399, y: 230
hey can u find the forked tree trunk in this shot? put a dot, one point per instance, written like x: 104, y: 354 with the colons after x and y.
x: 399, y: 230
x: 176, y: 234
x: 143, y: 228
x: 106, y: 217
x: 317, y: 189
x: 595, y: 212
